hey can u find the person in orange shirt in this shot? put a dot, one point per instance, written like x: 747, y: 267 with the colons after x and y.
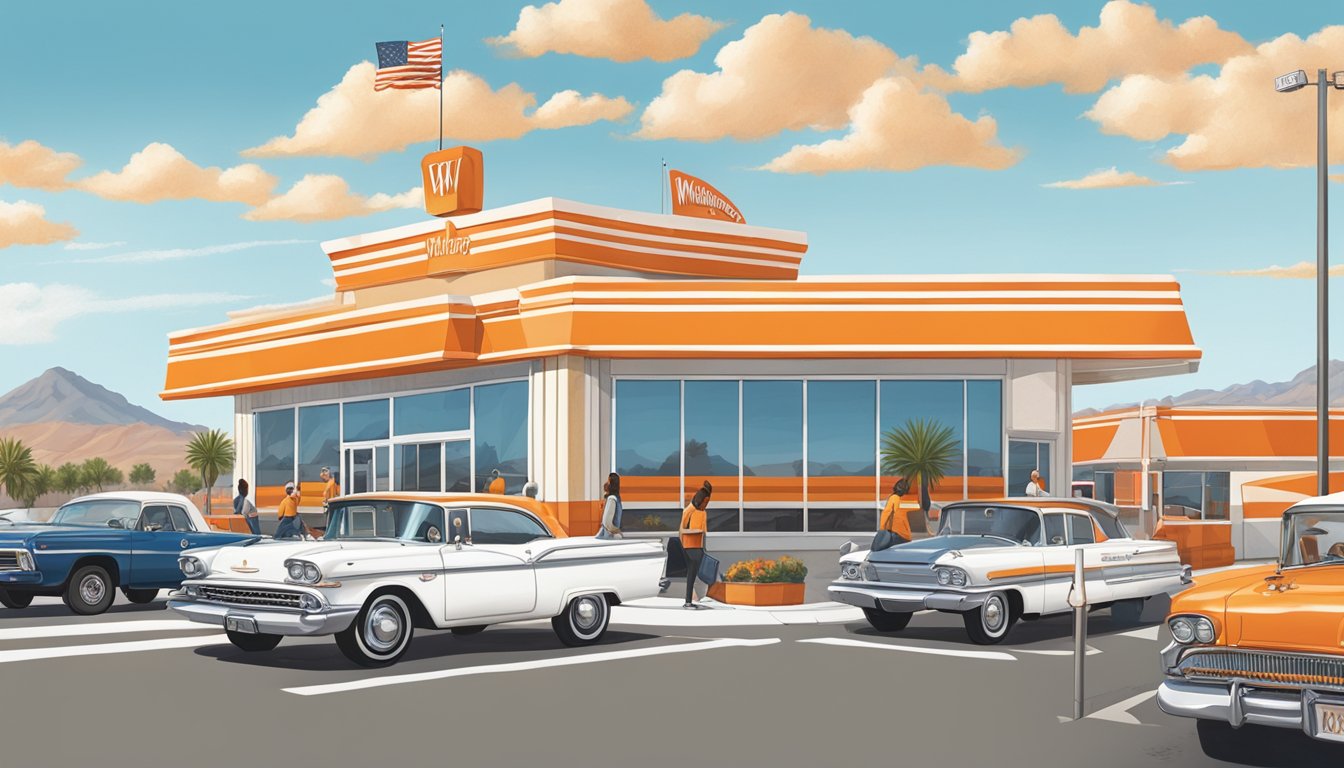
x: 331, y: 490
x: 496, y: 483
x: 289, y: 524
x: 895, y: 519
x: 692, y: 532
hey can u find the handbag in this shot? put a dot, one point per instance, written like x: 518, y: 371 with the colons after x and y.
x: 709, y: 569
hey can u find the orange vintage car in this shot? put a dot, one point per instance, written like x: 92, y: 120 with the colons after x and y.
x: 1264, y: 646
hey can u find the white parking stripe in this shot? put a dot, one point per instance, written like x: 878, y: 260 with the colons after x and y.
x: 135, y: 646
x: 989, y: 655
x: 1146, y: 633
x: 1119, y: 713
x: 1090, y: 652
x: 522, y: 666
x: 100, y: 628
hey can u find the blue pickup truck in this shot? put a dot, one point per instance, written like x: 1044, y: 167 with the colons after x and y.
x: 99, y: 543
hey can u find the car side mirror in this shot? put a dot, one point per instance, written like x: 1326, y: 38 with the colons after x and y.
x: 115, y: 523
x: 457, y: 540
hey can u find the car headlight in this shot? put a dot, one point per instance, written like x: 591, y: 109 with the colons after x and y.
x: 192, y: 567
x: 948, y: 576
x: 851, y: 571
x: 1192, y: 629
x: 309, y: 602
x: 303, y: 572
x: 26, y: 561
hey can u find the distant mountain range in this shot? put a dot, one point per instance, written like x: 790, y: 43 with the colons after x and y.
x: 1298, y: 392
x: 63, y: 416
x: 65, y: 396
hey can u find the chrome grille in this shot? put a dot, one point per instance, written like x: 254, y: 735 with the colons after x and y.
x: 905, y: 574
x: 263, y: 597
x: 9, y: 560
x: 1283, y: 668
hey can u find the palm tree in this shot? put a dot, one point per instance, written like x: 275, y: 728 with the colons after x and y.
x: 211, y: 454
x: 39, y: 484
x: 920, y: 448
x: 96, y: 473
x: 16, y: 467
x: 69, y: 478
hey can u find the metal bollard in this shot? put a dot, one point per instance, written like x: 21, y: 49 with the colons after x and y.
x: 1078, y: 599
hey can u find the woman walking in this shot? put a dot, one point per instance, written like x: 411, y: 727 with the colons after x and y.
x: 612, y: 511
x: 692, y: 534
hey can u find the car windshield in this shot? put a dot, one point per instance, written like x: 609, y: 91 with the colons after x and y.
x: 1014, y: 524
x: 1312, y: 538
x: 376, y: 519
x: 98, y: 513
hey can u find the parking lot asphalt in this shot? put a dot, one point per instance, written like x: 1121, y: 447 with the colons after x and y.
x: 139, y: 687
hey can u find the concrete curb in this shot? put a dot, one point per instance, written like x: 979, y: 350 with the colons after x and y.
x: 668, y: 612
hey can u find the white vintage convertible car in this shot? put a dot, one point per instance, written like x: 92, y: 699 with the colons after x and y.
x: 390, y: 563
x: 995, y: 562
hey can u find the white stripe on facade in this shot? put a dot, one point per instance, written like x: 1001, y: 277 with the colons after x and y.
x: 258, y: 346
x: 422, y: 357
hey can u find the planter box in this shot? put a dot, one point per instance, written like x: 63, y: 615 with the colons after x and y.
x: 751, y: 593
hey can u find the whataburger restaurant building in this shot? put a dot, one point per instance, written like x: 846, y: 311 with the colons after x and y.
x: 556, y: 341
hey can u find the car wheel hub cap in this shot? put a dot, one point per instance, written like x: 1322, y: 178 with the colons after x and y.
x: 993, y: 615
x: 91, y: 589
x: 585, y: 614
x: 383, y: 628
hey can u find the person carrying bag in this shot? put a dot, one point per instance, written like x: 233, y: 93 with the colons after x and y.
x: 894, y: 527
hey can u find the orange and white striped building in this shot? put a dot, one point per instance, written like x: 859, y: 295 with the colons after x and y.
x: 551, y: 342
x: 1219, y: 477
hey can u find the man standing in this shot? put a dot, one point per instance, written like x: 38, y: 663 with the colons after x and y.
x: 288, y: 516
x: 244, y: 506
x: 1034, y: 486
x: 331, y: 490
x: 496, y: 483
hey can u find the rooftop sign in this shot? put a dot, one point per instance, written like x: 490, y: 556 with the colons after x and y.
x: 694, y: 197
x: 454, y: 181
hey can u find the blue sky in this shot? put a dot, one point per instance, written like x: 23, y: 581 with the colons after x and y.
x: 103, y: 82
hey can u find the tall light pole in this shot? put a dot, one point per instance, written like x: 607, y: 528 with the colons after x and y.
x: 1291, y: 82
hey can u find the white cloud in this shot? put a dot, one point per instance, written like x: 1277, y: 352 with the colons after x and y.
x: 32, y: 165
x: 160, y: 172
x: 1129, y: 39
x: 1234, y: 119
x: 897, y: 127
x: 1301, y: 270
x: 782, y: 74
x: 353, y: 120
x: 620, y: 30
x: 174, y: 254
x: 25, y: 223
x: 323, y: 197
x: 34, y: 312
x: 92, y: 246
x: 1111, y: 178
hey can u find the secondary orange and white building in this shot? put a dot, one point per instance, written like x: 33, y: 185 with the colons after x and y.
x: 1218, y: 477
x: 553, y: 342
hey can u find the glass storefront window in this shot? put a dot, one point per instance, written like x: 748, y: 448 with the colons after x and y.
x: 1105, y: 486
x: 648, y: 437
x: 365, y: 420
x: 319, y: 442
x: 841, y: 453
x: 274, y: 452
x: 842, y: 519
x: 782, y: 520
x: 984, y: 439
x: 448, y: 411
x: 938, y: 401
x: 772, y: 429
x: 654, y: 520
x: 710, y: 450
x: 1196, y: 495
x: 1023, y: 457
x: 501, y: 434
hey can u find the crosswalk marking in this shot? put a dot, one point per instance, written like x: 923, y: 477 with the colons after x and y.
x: 134, y: 646
x: 520, y: 666
x: 989, y: 655
x: 99, y: 628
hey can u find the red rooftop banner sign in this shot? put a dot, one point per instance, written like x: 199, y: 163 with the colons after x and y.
x: 694, y: 197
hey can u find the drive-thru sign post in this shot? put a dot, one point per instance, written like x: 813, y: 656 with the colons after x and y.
x: 1078, y: 599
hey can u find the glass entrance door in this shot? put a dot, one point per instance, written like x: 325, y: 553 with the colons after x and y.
x: 360, y: 470
x: 434, y: 467
x: 1023, y: 457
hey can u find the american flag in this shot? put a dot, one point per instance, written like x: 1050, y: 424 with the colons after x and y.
x: 403, y: 64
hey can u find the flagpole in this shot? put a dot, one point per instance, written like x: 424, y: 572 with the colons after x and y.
x: 441, y: 52
x: 662, y: 185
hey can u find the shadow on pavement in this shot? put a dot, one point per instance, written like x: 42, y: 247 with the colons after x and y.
x: 948, y: 627
x: 325, y: 656
x: 1266, y: 747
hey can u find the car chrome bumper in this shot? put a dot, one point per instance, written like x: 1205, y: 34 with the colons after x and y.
x: 1233, y: 703
x: 270, y: 621
x: 896, y: 599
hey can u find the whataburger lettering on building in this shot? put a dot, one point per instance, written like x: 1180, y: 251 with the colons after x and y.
x: 695, y: 197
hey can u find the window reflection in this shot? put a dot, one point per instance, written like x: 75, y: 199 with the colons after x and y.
x: 319, y: 441
x: 447, y: 411
x: 366, y: 420
x: 275, y: 453
x: 938, y: 401
x: 841, y: 445
x: 984, y: 438
x: 772, y: 429
x: 501, y: 434
x: 711, y: 448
